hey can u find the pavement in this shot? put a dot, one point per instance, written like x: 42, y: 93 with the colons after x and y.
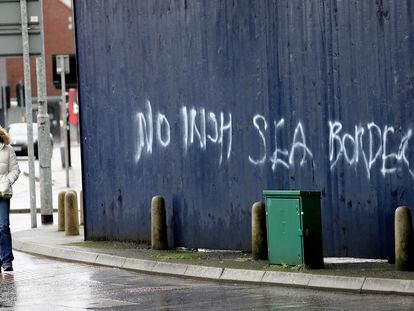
x: 20, y: 202
x: 47, y: 241
x: 41, y: 283
x: 344, y: 274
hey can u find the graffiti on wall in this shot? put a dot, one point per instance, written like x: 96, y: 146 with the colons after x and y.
x: 365, y: 146
x: 281, y: 156
x: 377, y: 148
x: 199, y: 129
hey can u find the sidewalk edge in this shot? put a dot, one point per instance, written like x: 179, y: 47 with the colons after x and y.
x: 301, y: 280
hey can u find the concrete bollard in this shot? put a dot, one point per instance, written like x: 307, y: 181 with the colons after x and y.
x: 158, y: 224
x: 403, y: 239
x: 71, y: 213
x: 259, y: 235
x: 81, y: 206
x: 61, y: 211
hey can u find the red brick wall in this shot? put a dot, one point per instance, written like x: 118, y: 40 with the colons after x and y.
x: 58, y: 40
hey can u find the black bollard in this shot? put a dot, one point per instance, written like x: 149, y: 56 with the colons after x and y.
x: 159, y: 239
x: 61, y: 211
x: 403, y: 239
x: 259, y: 235
x: 71, y: 213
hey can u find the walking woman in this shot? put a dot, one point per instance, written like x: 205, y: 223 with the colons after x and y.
x: 9, y: 172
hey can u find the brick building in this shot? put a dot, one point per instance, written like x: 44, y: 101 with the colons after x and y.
x: 59, y: 39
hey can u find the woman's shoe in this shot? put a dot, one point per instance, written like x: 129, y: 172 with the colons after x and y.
x: 7, y: 268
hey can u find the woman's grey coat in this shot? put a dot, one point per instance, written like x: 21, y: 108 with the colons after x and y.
x: 9, y: 169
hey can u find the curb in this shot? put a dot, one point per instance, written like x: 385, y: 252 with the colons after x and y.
x: 363, y: 285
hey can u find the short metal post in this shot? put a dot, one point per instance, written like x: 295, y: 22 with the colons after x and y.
x: 71, y: 213
x: 158, y: 224
x: 81, y: 206
x: 61, y: 211
x: 259, y: 235
x: 404, y: 239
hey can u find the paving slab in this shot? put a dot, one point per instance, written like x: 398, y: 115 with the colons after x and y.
x: 169, y: 268
x: 22, y: 245
x: 377, y: 285
x: 242, y: 275
x: 203, y: 272
x: 109, y: 260
x: 53, y: 251
x: 336, y: 282
x: 286, y: 278
x: 139, y: 264
x: 74, y: 255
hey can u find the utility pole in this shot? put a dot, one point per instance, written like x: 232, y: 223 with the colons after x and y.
x: 63, y: 69
x: 4, y: 105
x: 29, y: 112
x: 4, y: 100
x: 43, y: 124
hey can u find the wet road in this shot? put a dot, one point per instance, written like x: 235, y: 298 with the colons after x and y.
x: 44, y: 284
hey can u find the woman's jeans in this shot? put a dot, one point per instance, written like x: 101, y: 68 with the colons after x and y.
x: 6, y: 253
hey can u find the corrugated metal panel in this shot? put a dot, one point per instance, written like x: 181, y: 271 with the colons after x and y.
x: 209, y: 102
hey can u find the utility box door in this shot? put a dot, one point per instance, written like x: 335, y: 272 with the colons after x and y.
x: 284, y: 231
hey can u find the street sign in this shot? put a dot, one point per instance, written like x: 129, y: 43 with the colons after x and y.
x: 11, y: 30
x: 71, y: 74
x: 62, y: 62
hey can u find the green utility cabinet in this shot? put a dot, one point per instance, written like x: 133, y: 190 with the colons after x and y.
x: 294, y: 227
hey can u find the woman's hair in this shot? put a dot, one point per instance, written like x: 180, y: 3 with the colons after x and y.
x: 4, y: 136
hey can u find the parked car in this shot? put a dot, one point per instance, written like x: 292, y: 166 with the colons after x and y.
x: 18, y: 139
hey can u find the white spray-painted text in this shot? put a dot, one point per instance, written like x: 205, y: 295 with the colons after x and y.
x: 367, y: 146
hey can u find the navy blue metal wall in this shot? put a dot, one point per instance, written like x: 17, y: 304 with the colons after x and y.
x: 209, y: 102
